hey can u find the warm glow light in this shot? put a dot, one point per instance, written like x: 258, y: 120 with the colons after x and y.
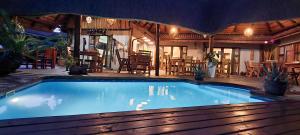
x: 111, y: 21
x: 248, y: 32
x: 266, y: 42
x: 204, y: 35
x: 173, y: 31
x: 89, y: 19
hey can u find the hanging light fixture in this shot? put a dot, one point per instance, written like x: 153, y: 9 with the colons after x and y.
x: 173, y: 31
x: 248, y: 32
x: 57, y: 29
x: 89, y: 19
x: 111, y: 21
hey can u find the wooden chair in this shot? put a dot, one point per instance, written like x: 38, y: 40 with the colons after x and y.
x: 188, y: 65
x: 50, y: 58
x: 250, y: 70
x: 140, y: 62
x: 123, y: 62
x: 294, y: 75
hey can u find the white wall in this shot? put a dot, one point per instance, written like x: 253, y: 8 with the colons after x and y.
x: 245, y: 56
x: 196, y: 51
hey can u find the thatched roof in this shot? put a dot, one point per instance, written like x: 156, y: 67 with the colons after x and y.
x: 202, y: 15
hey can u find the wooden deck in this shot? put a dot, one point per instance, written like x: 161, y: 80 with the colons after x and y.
x: 252, y: 118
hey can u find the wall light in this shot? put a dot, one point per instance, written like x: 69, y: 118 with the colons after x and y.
x: 111, y: 21
x: 248, y: 32
x: 89, y: 19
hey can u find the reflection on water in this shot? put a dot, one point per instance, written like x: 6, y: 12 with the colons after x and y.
x: 31, y: 101
x: 70, y: 98
x: 3, y: 109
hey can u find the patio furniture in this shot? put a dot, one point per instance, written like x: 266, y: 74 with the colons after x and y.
x: 50, y: 58
x: 95, y: 63
x: 176, y: 66
x: 251, y: 70
x: 123, y: 62
x: 188, y: 65
x: 28, y: 61
x: 293, y: 71
x: 140, y: 62
x: 224, y: 68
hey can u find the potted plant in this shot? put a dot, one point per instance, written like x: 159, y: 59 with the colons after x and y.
x: 199, y: 73
x: 13, y: 41
x: 276, y: 81
x: 212, y: 58
x: 69, y: 62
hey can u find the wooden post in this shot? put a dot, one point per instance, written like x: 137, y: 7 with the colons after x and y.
x: 157, y: 50
x: 210, y: 43
x: 77, y: 30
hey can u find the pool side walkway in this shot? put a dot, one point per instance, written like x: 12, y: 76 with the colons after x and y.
x: 265, y: 118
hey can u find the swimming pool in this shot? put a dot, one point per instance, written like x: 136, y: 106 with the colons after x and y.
x: 58, y: 98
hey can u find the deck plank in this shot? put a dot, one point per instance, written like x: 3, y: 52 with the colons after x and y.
x: 173, y: 117
x: 208, y: 109
x: 239, y: 118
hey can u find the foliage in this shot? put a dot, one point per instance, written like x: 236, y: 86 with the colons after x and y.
x: 69, y: 61
x: 199, y: 73
x: 211, y: 57
x: 12, y: 37
x: 60, y: 43
x: 276, y: 74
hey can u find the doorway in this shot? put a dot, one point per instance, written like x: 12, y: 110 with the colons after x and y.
x: 229, y: 54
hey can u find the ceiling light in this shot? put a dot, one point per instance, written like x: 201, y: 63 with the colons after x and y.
x: 266, y: 42
x: 57, y: 30
x: 248, y: 32
x: 173, y: 31
x: 111, y: 21
x: 89, y: 19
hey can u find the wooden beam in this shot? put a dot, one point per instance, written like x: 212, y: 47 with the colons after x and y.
x: 210, y: 43
x: 57, y: 17
x: 269, y: 27
x: 157, y: 34
x: 287, y: 29
x: 47, y: 24
x: 67, y: 20
x: 77, y: 30
x: 145, y: 24
x: 293, y: 21
x: 235, y: 28
x: 149, y: 29
x: 143, y: 30
x: 280, y: 24
x: 166, y: 29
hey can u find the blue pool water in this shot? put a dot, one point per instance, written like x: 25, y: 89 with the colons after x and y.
x: 71, y: 98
